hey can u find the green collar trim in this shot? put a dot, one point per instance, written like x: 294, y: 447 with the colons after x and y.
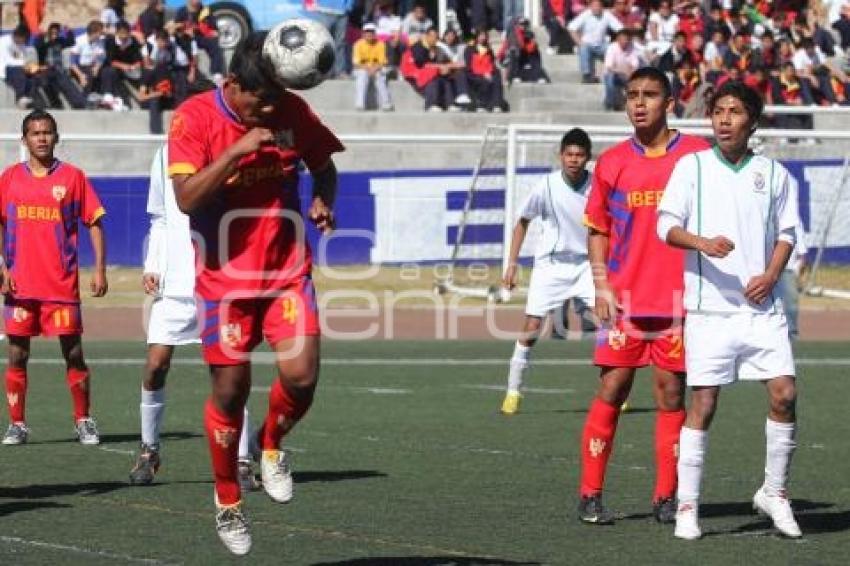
x: 736, y: 167
x: 581, y: 183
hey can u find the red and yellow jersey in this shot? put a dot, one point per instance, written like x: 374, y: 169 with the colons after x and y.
x: 645, y: 273
x: 40, y: 218
x: 250, y: 238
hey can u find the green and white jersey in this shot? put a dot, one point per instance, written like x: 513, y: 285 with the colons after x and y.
x: 750, y: 203
x: 560, y: 207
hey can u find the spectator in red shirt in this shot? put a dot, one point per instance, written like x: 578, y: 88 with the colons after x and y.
x: 485, y: 80
x: 556, y: 15
x: 629, y: 15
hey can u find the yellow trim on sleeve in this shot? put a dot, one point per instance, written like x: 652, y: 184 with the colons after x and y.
x: 98, y: 214
x: 590, y: 224
x: 181, y: 169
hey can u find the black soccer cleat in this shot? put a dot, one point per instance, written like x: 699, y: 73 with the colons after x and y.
x: 147, y: 465
x: 664, y: 510
x: 592, y: 512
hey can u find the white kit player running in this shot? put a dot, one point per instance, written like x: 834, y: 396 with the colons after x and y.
x: 169, y: 277
x: 561, y: 270
x: 733, y: 212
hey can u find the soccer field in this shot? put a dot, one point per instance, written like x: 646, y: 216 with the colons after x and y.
x: 404, y: 460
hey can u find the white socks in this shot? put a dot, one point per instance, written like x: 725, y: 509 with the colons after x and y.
x: 152, y: 409
x: 245, y: 437
x: 519, y: 363
x: 692, y: 445
x: 780, y: 447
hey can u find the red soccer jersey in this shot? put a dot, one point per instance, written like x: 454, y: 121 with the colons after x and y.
x: 645, y: 273
x: 250, y: 239
x: 40, y: 218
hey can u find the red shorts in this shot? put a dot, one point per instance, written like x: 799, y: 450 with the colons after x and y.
x: 233, y: 327
x: 27, y: 317
x: 637, y: 342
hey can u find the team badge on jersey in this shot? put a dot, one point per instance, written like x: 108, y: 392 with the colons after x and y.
x: 224, y: 437
x: 59, y: 192
x: 231, y: 334
x: 758, y: 182
x: 616, y: 339
x: 20, y: 314
x: 12, y: 398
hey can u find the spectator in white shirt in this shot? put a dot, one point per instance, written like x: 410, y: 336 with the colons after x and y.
x: 621, y: 60
x: 16, y: 60
x: 416, y: 23
x: 661, y: 28
x: 88, y: 56
x: 387, y: 23
x: 812, y: 66
x: 590, y: 30
x: 111, y: 15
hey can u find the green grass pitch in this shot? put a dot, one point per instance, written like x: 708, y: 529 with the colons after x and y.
x: 404, y: 460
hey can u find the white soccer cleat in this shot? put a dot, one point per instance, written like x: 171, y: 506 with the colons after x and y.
x: 87, y: 431
x: 16, y: 434
x: 687, y: 523
x: 778, y: 508
x: 233, y: 528
x: 276, y: 475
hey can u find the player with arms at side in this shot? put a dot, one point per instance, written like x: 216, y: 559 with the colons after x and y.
x: 42, y: 202
x: 561, y: 270
x: 638, y: 280
x: 169, y: 277
x: 233, y: 158
x: 735, y: 214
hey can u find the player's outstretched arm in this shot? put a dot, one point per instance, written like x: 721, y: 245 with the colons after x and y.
x: 518, y: 237
x: 605, y: 305
x: 325, y: 183
x: 98, y: 284
x: 193, y: 191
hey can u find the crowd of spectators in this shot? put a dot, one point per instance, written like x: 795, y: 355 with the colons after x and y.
x: 792, y: 52
x: 151, y: 62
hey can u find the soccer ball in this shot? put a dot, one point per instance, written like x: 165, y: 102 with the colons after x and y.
x: 301, y: 51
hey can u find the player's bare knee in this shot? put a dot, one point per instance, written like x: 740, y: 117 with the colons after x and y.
x: 783, y: 401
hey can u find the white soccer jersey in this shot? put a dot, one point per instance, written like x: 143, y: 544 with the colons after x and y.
x: 561, y: 211
x: 749, y: 203
x: 170, y: 252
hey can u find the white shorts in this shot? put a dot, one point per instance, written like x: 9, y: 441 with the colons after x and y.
x: 553, y: 282
x: 173, y: 322
x: 722, y: 348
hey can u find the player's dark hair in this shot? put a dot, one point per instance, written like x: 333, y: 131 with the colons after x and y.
x: 578, y: 137
x: 21, y: 31
x: 250, y: 68
x: 122, y: 25
x: 94, y: 26
x: 37, y: 116
x: 749, y: 98
x: 653, y: 74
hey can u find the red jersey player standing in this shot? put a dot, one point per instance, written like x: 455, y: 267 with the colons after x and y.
x: 233, y: 157
x: 639, y: 281
x: 42, y: 201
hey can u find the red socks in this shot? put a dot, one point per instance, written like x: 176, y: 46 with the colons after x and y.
x: 16, y: 393
x: 668, y: 424
x: 286, y: 407
x: 78, y: 385
x: 223, y: 433
x: 597, y: 442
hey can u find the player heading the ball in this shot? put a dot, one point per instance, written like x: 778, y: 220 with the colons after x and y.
x: 233, y: 158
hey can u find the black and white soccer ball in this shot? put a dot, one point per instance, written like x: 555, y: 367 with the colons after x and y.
x: 301, y: 51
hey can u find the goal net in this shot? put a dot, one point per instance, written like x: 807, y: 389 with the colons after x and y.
x: 829, y: 234
x: 510, y: 163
